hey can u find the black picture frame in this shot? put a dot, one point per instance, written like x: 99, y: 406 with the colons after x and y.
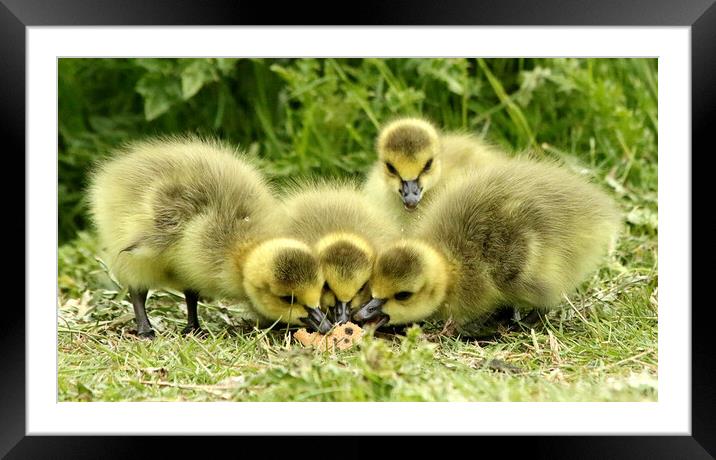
x: 699, y: 15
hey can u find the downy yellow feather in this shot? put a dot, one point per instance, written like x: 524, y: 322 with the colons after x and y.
x: 197, y: 216
x: 345, y: 229
x: 520, y: 233
x: 414, y: 157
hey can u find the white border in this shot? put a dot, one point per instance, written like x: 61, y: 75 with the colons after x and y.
x: 670, y: 415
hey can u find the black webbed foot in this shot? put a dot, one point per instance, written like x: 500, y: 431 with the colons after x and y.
x: 139, y: 298
x: 192, y: 327
x: 145, y: 334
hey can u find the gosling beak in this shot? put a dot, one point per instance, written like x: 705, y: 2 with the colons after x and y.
x: 411, y: 192
x: 317, y: 320
x: 372, y: 310
x: 341, y: 313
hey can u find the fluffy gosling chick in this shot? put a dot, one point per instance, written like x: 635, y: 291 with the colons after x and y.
x: 345, y: 229
x: 520, y: 233
x: 192, y: 215
x: 413, y: 157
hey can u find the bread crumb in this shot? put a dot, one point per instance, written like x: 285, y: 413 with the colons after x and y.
x: 342, y: 336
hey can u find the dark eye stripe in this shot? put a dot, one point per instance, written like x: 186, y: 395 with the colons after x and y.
x: 403, y: 295
x: 391, y: 168
x: 288, y: 298
x: 428, y: 165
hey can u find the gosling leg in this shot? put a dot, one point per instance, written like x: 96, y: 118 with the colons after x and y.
x: 139, y: 299
x: 490, y: 326
x: 192, y: 327
x: 479, y: 330
x: 533, y: 318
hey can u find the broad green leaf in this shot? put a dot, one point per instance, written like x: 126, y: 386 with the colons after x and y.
x: 160, y: 93
x: 226, y: 65
x: 196, y: 75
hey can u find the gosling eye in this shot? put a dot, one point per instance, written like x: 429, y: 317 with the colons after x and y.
x: 365, y: 285
x: 287, y: 298
x: 391, y: 168
x: 403, y: 295
x: 428, y: 165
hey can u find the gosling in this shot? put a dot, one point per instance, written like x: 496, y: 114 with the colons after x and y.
x: 517, y: 234
x: 192, y: 215
x: 345, y: 229
x: 413, y: 157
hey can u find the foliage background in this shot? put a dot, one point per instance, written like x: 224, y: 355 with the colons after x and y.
x: 321, y: 115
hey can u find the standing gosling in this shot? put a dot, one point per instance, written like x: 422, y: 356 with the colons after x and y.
x: 345, y: 230
x: 191, y: 215
x: 520, y: 233
x: 414, y: 158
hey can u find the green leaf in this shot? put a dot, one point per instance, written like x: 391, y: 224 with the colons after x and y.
x: 195, y: 76
x: 226, y: 65
x: 157, y: 65
x: 159, y: 93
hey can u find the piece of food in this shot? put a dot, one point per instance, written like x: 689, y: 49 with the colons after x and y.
x: 342, y: 336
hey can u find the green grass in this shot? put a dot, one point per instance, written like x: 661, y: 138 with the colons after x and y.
x: 601, y: 346
x: 319, y: 117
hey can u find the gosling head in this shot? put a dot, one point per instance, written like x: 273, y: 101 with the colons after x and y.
x: 409, y: 284
x: 346, y: 262
x: 408, y: 150
x: 283, y: 280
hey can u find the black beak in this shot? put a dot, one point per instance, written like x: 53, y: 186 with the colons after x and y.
x: 317, y: 320
x: 411, y: 192
x: 370, y: 310
x: 341, y: 313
